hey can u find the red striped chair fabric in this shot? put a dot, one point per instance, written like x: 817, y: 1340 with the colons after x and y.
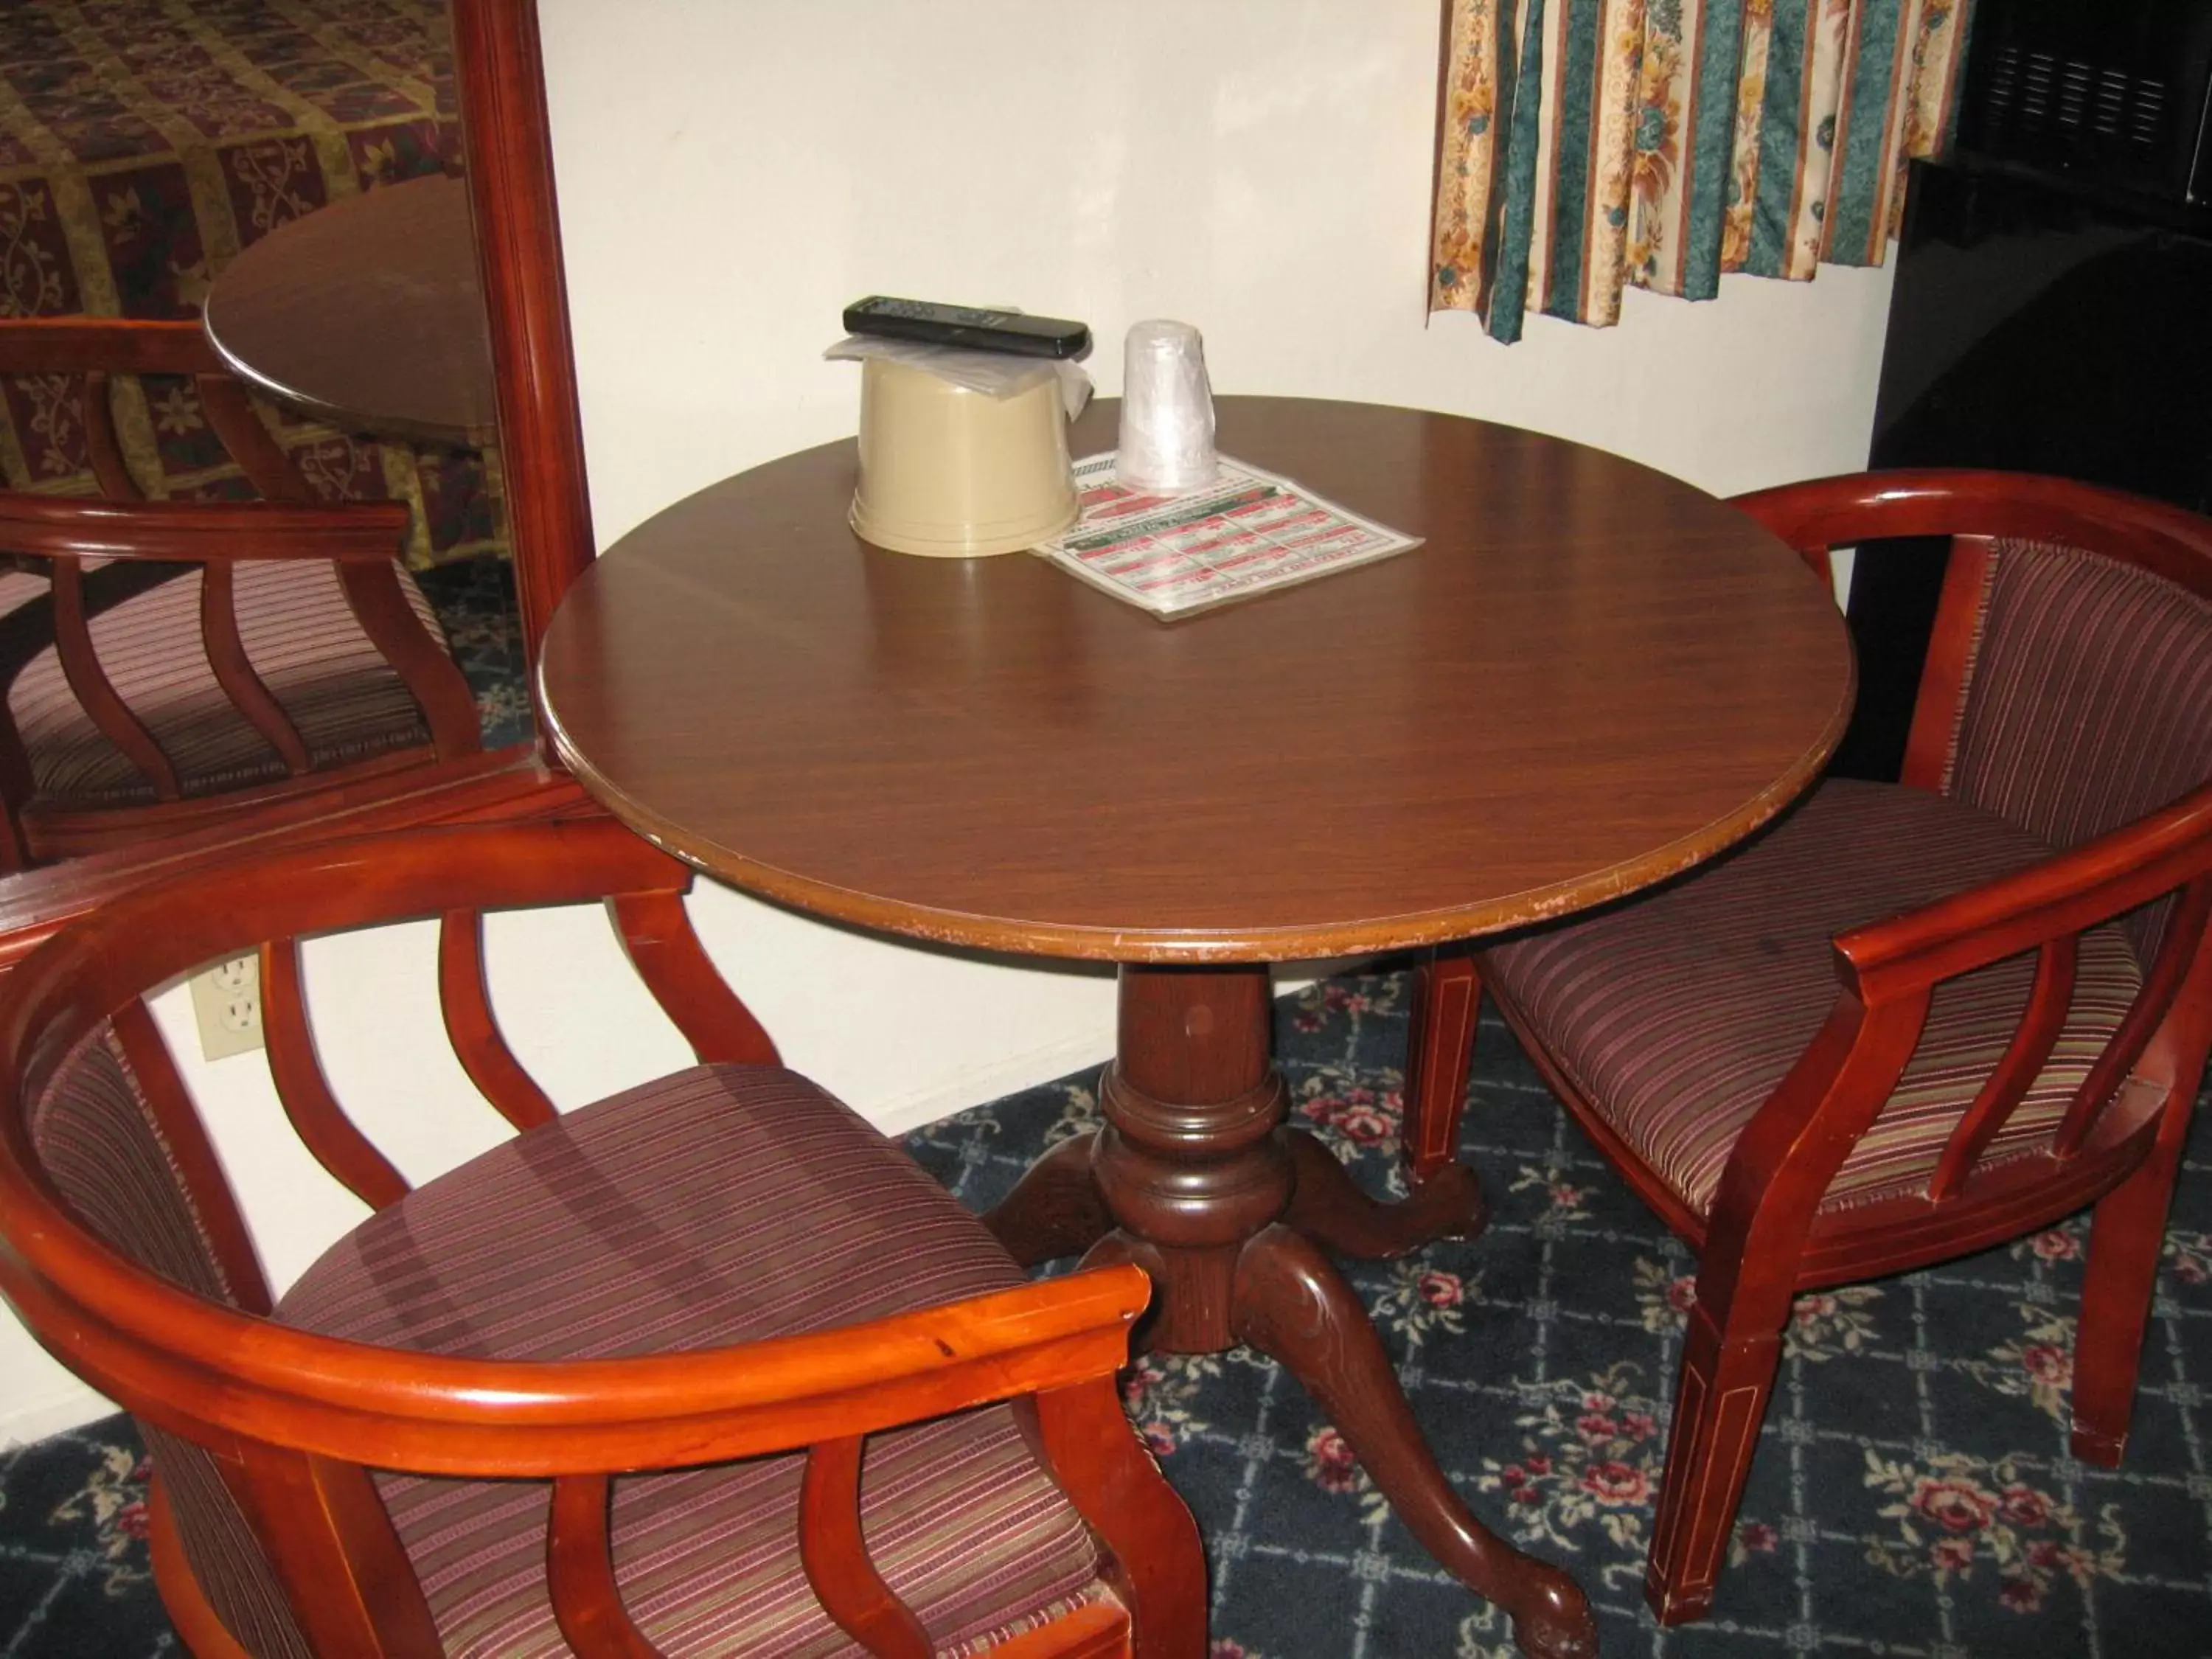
x: 720, y: 1204
x: 1677, y: 1014
x: 2088, y: 701
x: 345, y: 701
x: 98, y: 1143
x: 2089, y: 704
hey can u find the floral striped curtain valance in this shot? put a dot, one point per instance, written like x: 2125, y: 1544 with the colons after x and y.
x: 1590, y: 145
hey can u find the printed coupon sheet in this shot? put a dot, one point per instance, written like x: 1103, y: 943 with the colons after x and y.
x: 1246, y: 533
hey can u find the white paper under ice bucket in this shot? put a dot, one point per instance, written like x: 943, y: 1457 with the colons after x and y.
x: 955, y: 473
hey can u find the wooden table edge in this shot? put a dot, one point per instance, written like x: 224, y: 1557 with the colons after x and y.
x: 1166, y: 947
x: 401, y: 427
x: 404, y: 427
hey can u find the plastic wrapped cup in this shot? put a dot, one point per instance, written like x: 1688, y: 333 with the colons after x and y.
x: 1167, y: 409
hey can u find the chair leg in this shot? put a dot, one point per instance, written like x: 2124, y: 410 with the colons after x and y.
x: 2124, y: 1241
x: 1720, y: 1398
x: 1439, y: 1048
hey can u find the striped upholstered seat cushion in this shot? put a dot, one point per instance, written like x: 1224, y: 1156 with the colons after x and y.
x: 303, y: 640
x: 721, y: 1204
x: 1677, y: 1014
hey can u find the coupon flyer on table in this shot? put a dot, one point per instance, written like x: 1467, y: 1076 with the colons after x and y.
x: 1248, y: 532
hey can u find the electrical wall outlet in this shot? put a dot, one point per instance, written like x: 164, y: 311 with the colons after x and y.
x: 227, y: 1004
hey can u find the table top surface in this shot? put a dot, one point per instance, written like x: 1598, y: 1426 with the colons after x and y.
x: 367, y: 313
x: 1591, y: 677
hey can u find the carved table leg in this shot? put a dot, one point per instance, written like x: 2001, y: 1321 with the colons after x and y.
x: 1292, y: 1304
x: 1211, y: 1196
x: 1327, y: 1205
x: 1054, y: 1209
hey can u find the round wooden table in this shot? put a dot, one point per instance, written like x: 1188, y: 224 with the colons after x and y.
x: 1591, y: 677
x: 367, y: 313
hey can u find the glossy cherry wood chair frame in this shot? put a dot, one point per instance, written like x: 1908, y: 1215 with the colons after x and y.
x: 143, y: 542
x: 2119, y: 1144
x: 295, y: 1420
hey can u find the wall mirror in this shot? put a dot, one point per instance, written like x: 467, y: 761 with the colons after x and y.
x: 497, y: 194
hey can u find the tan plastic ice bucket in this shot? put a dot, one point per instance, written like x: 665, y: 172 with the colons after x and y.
x: 955, y: 473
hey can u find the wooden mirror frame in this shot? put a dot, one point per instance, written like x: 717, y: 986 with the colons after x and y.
x: 499, y: 69
x: 500, y: 72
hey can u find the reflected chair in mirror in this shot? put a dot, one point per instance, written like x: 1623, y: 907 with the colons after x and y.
x: 706, y: 1367
x: 1912, y: 1020
x: 170, y: 663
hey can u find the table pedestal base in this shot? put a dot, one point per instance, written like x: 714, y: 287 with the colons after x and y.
x: 1196, y: 1179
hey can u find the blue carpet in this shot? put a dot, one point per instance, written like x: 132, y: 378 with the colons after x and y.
x: 476, y: 605
x: 1912, y: 1493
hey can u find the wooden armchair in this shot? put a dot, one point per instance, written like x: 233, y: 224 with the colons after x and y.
x: 166, y: 664
x: 1913, y: 1020
x: 707, y: 1367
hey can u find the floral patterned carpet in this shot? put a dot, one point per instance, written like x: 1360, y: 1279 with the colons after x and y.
x: 1913, y: 1495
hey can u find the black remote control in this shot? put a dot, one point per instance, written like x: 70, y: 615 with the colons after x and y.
x: 958, y: 325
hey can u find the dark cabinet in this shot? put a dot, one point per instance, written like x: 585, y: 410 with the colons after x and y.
x: 2040, y: 323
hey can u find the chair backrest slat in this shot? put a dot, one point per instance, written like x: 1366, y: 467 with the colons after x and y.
x: 260, y: 457
x: 103, y: 443
x: 2169, y: 970
x: 2044, y: 1018
x: 94, y: 692
x: 233, y: 670
x: 581, y: 1572
x: 27, y: 631
x: 473, y: 1030
x: 219, y: 1545
x: 440, y: 690
x: 656, y: 933
x: 836, y: 1560
x: 312, y: 1108
x: 332, y: 1544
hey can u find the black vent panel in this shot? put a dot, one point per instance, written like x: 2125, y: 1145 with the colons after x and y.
x: 2117, y: 93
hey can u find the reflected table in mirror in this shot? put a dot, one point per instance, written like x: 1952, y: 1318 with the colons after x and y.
x: 1590, y: 677
x: 367, y: 314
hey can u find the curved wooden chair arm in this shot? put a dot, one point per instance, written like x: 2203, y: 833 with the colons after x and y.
x: 508, y: 785
x: 1820, y: 514
x: 121, y: 345
x: 188, y: 1363
x: 204, y: 532
x: 2066, y: 893
x: 232, y: 905
x: 1799, y: 1138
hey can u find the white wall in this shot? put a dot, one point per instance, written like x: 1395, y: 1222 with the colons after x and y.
x: 732, y: 172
